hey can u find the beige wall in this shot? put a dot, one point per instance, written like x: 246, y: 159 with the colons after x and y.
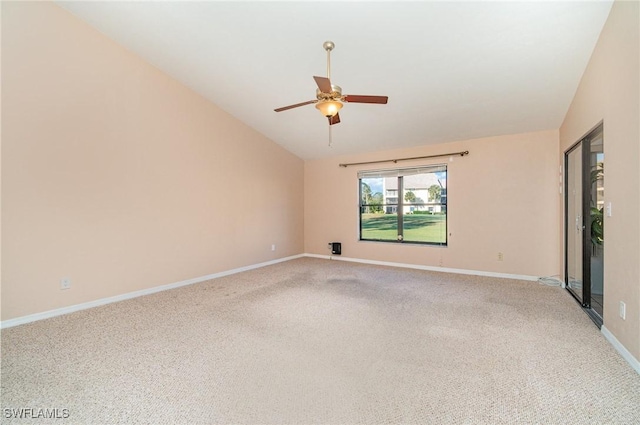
x: 502, y: 197
x: 610, y: 92
x: 120, y: 178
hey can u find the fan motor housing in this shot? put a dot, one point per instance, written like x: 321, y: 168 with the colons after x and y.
x: 336, y: 93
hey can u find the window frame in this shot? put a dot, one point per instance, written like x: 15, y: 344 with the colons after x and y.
x: 400, y: 203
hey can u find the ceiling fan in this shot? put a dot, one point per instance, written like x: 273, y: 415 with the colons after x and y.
x: 329, y: 98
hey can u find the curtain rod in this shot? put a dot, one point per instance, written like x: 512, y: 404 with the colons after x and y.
x: 405, y: 159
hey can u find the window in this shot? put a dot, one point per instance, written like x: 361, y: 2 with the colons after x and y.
x: 406, y: 205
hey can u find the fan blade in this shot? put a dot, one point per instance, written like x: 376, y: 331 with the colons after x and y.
x: 334, y: 119
x: 324, y: 84
x: 365, y: 99
x: 284, y: 108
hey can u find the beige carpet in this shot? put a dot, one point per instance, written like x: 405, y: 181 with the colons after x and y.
x: 317, y: 341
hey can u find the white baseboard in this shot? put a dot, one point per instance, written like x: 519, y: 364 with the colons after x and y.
x: 96, y: 303
x: 635, y: 364
x: 77, y: 307
x: 430, y: 268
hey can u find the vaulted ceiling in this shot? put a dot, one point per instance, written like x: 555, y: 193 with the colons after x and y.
x: 452, y: 70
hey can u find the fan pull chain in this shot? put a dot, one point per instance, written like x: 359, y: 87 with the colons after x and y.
x: 330, y: 135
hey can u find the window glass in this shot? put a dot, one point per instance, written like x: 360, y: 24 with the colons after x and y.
x: 404, y: 205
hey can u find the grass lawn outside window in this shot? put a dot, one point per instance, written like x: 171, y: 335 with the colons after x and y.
x: 417, y: 227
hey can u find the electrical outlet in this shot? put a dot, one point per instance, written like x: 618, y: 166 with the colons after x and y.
x: 65, y: 283
x: 623, y: 310
x: 273, y: 247
x: 500, y: 256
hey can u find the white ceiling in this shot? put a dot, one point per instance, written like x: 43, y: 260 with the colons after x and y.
x: 452, y: 70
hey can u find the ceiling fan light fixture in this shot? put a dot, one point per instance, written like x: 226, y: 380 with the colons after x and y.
x: 329, y: 108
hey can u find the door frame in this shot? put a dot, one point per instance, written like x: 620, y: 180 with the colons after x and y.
x: 585, y: 143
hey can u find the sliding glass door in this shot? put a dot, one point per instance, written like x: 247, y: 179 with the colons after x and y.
x: 584, y: 227
x: 575, y: 222
x: 596, y: 220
